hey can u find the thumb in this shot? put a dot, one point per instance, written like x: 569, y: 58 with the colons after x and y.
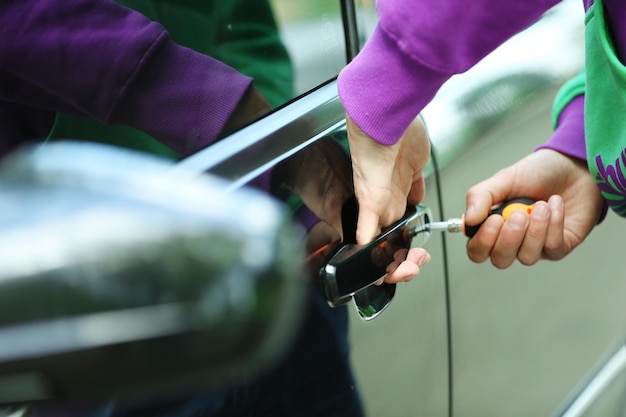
x: 483, y: 196
x: 367, y: 226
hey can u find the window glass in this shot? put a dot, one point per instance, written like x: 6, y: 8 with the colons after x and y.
x: 366, y: 18
x: 312, y: 32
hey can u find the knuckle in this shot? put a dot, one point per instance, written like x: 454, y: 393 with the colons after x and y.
x: 552, y: 246
x: 500, y: 263
x: 527, y: 260
x: 475, y: 256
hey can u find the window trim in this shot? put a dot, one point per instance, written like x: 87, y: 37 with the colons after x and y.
x: 251, y: 151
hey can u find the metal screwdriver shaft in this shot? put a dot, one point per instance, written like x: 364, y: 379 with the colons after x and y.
x: 458, y: 224
x: 451, y: 225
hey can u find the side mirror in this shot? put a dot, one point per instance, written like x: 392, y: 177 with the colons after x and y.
x: 117, y: 276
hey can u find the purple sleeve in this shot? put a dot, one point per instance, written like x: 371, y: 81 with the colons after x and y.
x: 105, y: 61
x: 306, y: 217
x: 416, y: 47
x: 569, y: 135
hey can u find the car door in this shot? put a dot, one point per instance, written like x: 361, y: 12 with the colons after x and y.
x: 401, y: 358
x: 467, y: 339
x: 526, y: 339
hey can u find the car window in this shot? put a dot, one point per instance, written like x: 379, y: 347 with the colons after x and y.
x: 366, y: 18
x: 312, y: 32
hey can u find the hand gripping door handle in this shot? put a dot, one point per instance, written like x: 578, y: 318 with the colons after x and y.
x: 352, y: 269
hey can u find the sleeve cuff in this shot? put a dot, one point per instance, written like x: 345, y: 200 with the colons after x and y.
x: 181, y: 98
x: 306, y: 218
x: 383, y: 89
x: 569, y: 136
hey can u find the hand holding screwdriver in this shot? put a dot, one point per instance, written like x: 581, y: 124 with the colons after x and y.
x: 505, y: 210
x: 568, y: 206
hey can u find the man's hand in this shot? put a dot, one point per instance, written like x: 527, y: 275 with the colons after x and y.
x: 568, y: 207
x: 407, y: 264
x: 321, y: 240
x: 386, y: 178
x: 320, y: 176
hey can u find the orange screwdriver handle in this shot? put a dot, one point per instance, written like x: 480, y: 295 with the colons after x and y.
x: 505, y: 210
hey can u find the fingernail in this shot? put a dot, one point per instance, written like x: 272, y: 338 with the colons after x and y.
x: 423, y: 260
x: 540, y: 211
x: 518, y: 220
x: 555, y: 202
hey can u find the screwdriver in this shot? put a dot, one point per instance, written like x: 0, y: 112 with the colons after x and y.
x: 456, y: 225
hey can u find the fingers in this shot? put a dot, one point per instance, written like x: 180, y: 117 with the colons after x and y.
x: 372, y: 171
x: 320, y: 242
x: 507, y: 237
x: 555, y: 246
x: 510, y: 240
x: 386, y: 177
x: 522, y: 237
x: 535, y: 237
x: 417, y: 191
x: 483, y: 196
x: 367, y: 225
x: 407, y: 265
x: 551, y: 232
x: 480, y: 246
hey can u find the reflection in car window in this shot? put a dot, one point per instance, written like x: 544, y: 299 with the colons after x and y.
x: 287, y: 47
x: 313, y: 34
x: 366, y: 18
x: 241, y: 33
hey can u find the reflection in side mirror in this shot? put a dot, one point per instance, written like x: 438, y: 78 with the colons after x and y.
x: 111, y: 266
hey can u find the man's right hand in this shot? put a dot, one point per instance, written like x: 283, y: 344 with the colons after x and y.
x: 568, y: 206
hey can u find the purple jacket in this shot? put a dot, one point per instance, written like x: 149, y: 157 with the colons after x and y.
x: 102, y: 60
x: 420, y: 44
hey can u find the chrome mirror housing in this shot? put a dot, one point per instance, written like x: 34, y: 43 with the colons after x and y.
x: 113, y: 264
